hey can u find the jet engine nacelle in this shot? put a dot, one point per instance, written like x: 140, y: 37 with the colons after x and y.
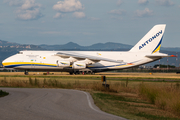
x: 78, y: 65
x: 63, y: 63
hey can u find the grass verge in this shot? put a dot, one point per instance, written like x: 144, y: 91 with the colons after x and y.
x: 130, y: 107
x: 166, y: 98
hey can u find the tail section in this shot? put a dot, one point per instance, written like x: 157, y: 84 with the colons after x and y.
x: 151, y: 42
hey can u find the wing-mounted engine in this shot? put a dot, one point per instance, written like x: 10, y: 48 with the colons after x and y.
x: 79, y: 65
x: 63, y: 63
x: 80, y: 61
x: 72, y: 59
x: 82, y: 64
x: 89, y: 62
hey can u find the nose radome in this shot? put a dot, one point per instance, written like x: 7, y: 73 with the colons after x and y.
x: 3, y: 62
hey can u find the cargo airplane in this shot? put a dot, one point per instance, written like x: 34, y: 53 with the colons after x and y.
x: 76, y: 62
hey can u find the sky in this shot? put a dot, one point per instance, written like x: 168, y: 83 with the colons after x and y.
x: 87, y: 22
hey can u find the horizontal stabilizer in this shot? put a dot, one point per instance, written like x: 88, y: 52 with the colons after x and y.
x: 159, y: 55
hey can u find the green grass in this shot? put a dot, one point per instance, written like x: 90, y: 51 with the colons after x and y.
x: 118, y: 98
x: 123, y: 106
x: 154, y: 117
x: 138, y: 79
x: 165, y: 97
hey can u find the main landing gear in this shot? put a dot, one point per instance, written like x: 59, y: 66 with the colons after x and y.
x: 71, y: 73
x: 82, y: 73
x: 26, y: 72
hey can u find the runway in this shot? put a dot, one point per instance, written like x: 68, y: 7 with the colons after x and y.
x: 50, y: 104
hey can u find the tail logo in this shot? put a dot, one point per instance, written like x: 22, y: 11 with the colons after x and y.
x: 150, y: 40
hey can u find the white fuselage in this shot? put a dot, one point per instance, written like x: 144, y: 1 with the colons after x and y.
x: 47, y: 60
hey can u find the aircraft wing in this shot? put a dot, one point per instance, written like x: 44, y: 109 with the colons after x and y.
x: 84, y: 56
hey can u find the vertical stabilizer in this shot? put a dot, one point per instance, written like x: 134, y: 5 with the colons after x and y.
x: 151, y: 42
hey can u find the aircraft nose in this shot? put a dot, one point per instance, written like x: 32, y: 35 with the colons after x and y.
x: 4, y: 62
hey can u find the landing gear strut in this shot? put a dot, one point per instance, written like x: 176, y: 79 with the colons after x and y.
x: 26, y: 72
x: 71, y: 73
x: 82, y: 72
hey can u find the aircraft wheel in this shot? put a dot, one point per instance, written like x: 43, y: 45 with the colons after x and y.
x: 89, y: 72
x: 71, y: 73
x: 75, y: 73
x: 26, y: 73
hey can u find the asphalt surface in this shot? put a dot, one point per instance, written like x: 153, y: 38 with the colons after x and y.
x: 50, y: 104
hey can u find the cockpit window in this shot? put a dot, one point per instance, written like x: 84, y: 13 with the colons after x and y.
x: 20, y: 53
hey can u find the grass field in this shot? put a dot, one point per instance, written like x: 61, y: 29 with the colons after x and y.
x: 108, y: 74
x: 131, y: 95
